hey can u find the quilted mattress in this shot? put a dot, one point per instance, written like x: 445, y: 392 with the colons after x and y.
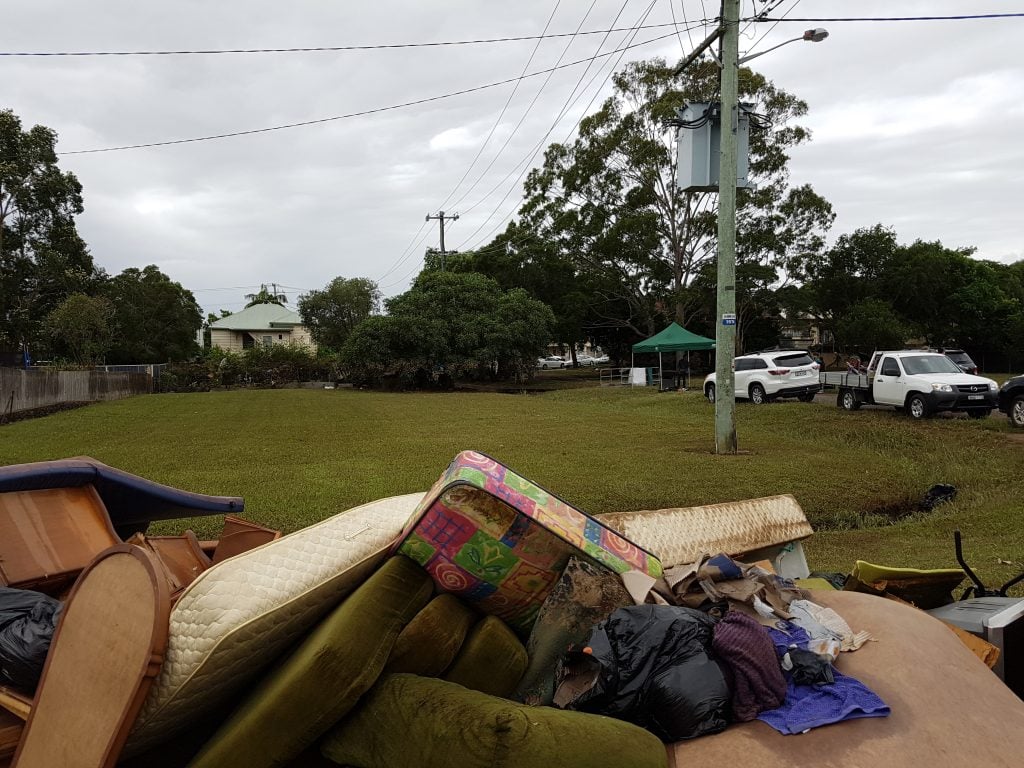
x: 683, y: 534
x: 240, y: 614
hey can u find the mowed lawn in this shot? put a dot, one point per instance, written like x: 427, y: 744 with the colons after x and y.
x: 298, y: 456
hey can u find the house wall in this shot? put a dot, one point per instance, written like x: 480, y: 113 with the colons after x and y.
x: 300, y: 335
x: 232, y: 340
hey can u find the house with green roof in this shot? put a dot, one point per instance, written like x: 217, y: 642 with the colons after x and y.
x: 264, y: 324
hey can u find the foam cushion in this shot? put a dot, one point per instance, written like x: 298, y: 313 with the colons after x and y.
x: 324, y: 677
x: 584, y: 595
x: 492, y: 659
x: 469, y: 729
x: 430, y: 642
x: 241, y: 614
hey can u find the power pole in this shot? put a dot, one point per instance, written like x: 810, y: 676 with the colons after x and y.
x: 725, y: 327
x: 441, y: 218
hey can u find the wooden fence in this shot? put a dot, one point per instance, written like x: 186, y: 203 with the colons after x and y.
x: 22, y: 390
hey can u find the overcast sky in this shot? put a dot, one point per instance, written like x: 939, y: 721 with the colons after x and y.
x: 915, y: 124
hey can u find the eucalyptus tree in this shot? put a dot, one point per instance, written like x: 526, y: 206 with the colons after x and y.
x: 610, y: 201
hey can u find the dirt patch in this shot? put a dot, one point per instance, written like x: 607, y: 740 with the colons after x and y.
x: 35, y: 413
x: 892, y: 512
x: 879, y: 515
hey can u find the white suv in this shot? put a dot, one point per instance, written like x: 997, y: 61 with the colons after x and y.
x: 764, y: 376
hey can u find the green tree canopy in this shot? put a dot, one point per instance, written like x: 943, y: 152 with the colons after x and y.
x: 42, y: 258
x: 80, y: 328
x: 871, y: 291
x: 609, y: 203
x: 452, y: 325
x: 265, y: 296
x: 333, y: 313
x: 155, y: 319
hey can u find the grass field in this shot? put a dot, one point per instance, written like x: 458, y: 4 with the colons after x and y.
x: 298, y: 456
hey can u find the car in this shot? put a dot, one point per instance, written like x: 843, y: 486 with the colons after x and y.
x: 765, y: 376
x: 920, y: 382
x: 1011, y: 400
x: 552, y: 361
x: 601, y: 360
x: 586, y: 360
x: 963, y: 360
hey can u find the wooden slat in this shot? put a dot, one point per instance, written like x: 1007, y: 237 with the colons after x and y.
x: 10, y: 733
x: 50, y: 535
x: 17, y: 704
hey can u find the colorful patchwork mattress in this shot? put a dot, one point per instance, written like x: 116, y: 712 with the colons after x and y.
x: 236, y: 617
x: 500, y: 542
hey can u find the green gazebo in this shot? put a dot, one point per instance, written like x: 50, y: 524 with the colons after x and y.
x: 675, y: 338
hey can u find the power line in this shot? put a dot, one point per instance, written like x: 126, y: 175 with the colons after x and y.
x: 361, y: 113
x: 511, y: 134
x: 334, y: 48
x: 501, y: 149
x: 763, y: 15
x: 529, y: 159
x: 686, y: 23
x: 408, y: 251
x: 409, y: 248
x: 532, y: 153
x: 508, y: 101
x: 529, y: 108
x: 419, y: 263
x: 523, y: 238
x: 961, y: 17
x: 569, y: 103
x: 682, y: 48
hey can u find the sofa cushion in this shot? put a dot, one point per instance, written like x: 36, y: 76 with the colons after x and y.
x: 492, y: 659
x: 469, y: 729
x: 430, y: 642
x: 321, y: 680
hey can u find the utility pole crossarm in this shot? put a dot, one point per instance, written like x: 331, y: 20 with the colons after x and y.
x: 698, y: 51
x: 441, y: 217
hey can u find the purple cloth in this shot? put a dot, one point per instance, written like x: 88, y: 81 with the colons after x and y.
x: 750, y: 665
x: 811, y: 706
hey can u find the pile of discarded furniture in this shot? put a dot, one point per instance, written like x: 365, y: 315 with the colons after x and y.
x: 484, y: 623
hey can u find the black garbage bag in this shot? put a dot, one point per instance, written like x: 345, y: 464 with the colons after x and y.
x: 27, y: 622
x: 937, y: 494
x: 808, y: 667
x: 650, y: 665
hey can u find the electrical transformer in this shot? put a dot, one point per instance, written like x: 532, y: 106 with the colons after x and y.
x: 698, y: 144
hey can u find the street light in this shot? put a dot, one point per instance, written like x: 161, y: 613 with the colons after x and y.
x: 811, y: 36
x: 725, y: 320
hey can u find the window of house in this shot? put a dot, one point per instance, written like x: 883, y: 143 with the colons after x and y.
x: 268, y: 340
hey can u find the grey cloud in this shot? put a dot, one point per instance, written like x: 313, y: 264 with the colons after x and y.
x: 345, y: 198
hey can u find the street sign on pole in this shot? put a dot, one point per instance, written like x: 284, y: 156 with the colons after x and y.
x: 728, y: 318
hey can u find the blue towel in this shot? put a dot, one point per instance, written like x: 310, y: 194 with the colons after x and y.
x: 811, y: 706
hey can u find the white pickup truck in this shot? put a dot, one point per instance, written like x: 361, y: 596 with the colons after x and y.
x: 922, y: 383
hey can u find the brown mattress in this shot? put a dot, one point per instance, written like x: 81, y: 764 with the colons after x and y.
x: 948, y: 708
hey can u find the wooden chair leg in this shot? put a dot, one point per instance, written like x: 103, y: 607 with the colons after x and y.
x: 107, y: 649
